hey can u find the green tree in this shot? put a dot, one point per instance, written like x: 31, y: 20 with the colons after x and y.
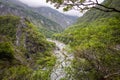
x: 83, y: 5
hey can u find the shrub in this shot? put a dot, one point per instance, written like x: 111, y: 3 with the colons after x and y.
x: 6, y: 51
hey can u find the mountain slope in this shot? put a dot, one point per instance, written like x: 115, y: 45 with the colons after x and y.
x: 94, y: 14
x: 14, y: 7
x: 24, y: 51
x: 54, y: 21
x: 62, y: 19
x: 95, y: 42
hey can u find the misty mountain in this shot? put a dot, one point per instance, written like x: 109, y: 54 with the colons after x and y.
x: 51, y: 19
x: 54, y: 15
x: 14, y: 7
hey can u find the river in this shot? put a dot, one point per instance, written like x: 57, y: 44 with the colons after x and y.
x: 63, y: 60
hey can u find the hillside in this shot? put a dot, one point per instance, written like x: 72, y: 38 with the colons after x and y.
x: 87, y: 50
x: 95, y: 42
x: 14, y: 7
x: 94, y: 14
x: 24, y: 51
x: 38, y: 16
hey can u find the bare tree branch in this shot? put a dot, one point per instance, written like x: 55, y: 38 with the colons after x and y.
x: 112, y: 74
x: 107, y: 9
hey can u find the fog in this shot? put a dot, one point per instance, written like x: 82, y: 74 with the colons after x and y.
x: 39, y: 3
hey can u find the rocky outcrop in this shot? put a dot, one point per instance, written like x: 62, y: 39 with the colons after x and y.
x: 24, y: 51
x: 26, y: 40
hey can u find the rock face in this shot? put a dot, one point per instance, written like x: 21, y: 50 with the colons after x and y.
x: 20, y: 45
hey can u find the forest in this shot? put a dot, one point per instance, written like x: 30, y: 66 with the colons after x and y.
x: 35, y: 46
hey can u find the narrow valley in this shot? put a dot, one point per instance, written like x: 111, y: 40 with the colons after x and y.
x: 40, y: 42
x: 63, y: 60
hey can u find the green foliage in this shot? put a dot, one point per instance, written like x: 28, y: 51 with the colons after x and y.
x: 47, y: 61
x: 95, y: 43
x: 17, y: 73
x: 31, y: 14
x: 8, y: 25
x: 67, y: 8
x: 37, y: 39
x: 82, y: 5
x: 46, y: 32
x: 41, y: 75
x: 30, y: 58
x: 6, y: 51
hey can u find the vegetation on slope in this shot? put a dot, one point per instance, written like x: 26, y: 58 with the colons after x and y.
x: 47, y: 33
x: 25, y: 54
x: 19, y: 9
x: 95, y: 41
x: 96, y: 48
x: 94, y: 14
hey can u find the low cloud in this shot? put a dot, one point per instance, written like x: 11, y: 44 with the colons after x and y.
x: 39, y: 3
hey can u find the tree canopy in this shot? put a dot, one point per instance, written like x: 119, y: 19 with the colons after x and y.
x: 82, y: 5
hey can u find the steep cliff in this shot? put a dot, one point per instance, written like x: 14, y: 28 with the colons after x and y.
x: 23, y: 50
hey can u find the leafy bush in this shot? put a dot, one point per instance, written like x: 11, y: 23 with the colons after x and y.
x: 8, y: 25
x: 6, y: 51
x: 17, y: 73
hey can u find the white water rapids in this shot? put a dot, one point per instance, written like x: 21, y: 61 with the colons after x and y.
x: 63, y: 60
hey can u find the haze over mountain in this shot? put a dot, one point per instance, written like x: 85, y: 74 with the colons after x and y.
x: 59, y: 18
x: 40, y: 3
x: 55, y: 22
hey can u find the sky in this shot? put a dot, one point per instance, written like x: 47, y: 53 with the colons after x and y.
x: 39, y: 3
